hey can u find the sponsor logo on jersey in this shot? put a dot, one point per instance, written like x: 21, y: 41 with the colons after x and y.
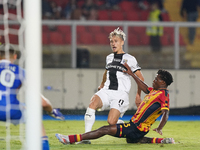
x: 119, y: 68
x: 125, y: 61
x: 117, y: 60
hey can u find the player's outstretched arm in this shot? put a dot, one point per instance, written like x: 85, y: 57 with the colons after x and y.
x: 53, y: 112
x: 139, y: 82
x: 138, y: 94
x: 165, y: 115
x: 46, y: 104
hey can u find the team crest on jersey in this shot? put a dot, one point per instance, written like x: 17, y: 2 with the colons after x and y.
x: 109, y: 59
x: 153, y: 93
x: 125, y: 61
x: 146, y: 98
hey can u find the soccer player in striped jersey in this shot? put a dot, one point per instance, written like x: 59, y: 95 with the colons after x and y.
x: 114, y: 90
x: 155, y: 103
x: 11, y: 79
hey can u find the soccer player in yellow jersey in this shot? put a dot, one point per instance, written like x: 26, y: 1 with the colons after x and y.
x: 155, y: 103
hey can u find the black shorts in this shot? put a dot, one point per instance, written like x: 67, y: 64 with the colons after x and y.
x: 129, y: 131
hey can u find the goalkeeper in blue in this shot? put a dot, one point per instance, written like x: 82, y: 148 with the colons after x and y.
x: 11, y: 78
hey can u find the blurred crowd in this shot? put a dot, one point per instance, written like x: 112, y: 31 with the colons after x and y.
x: 87, y: 9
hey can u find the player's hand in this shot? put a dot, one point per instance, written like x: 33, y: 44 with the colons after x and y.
x: 158, y: 130
x: 57, y: 114
x: 100, y: 87
x: 128, y: 69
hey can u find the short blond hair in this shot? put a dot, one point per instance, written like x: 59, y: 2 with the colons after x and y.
x: 118, y: 32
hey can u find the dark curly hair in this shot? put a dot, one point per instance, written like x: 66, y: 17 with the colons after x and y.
x: 165, y: 76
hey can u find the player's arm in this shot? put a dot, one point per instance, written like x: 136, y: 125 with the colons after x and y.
x: 143, y: 86
x: 53, y: 112
x: 165, y: 115
x: 138, y: 94
x: 46, y: 104
x: 103, y: 80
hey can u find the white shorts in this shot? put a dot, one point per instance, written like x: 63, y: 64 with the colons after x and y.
x: 114, y: 99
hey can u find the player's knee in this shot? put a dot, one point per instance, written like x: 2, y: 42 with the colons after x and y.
x: 44, y: 105
x: 93, y: 105
x: 111, y: 121
x: 95, y: 102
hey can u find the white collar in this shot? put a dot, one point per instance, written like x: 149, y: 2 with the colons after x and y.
x: 5, y: 60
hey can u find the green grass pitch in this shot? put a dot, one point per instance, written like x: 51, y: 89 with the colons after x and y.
x: 185, y: 133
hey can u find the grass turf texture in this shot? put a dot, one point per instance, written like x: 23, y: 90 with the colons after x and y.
x: 185, y: 133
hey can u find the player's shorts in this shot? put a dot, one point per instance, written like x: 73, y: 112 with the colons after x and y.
x: 114, y: 99
x: 16, y: 114
x: 130, y: 131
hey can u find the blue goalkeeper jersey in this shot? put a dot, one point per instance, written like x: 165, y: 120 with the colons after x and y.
x: 11, y: 78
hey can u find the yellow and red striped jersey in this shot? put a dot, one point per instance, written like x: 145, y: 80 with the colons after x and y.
x: 150, y: 108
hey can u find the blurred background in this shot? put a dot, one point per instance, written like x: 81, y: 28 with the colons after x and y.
x: 160, y: 34
x: 92, y: 40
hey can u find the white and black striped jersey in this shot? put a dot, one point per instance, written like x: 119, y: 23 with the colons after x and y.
x: 116, y: 79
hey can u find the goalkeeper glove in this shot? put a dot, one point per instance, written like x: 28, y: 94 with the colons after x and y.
x: 57, y: 114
